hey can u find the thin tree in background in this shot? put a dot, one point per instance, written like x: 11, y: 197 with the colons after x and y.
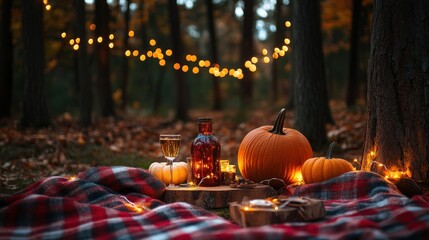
x: 278, y: 36
x: 125, y: 66
x: 247, y: 51
x: 103, y: 84
x: 353, y: 82
x: 6, y: 59
x: 85, y: 83
x: 182, y: 92
x: 213, y: 46
x: 310, y: 91
x: 398, y: 88
x: 35, y: 108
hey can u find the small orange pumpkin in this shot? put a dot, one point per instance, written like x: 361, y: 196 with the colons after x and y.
x: 320, y: 169
x: 273, y: 152
x: 161, y: 170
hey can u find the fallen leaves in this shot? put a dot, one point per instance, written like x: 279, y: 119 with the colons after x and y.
x: 28, y: 155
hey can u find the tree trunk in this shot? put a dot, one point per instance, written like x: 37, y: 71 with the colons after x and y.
x: 85, y: 83
x: 398, y: 88
x: 35, y: 108
x: 278, y: 36
x: 125, y: 69
x: 247, y: 52
x: 182, y: 91
x: 353, y: 83
x: 6, y: 59
x: 213, y: 44
x: 103, y: 85
x: 310, y: 92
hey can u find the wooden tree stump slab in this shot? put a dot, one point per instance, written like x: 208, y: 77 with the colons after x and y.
x: 216, y: 197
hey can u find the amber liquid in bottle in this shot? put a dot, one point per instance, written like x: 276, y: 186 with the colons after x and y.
x: 206, y: 153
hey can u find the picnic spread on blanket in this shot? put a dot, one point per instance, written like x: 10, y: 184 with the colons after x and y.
x: 125, y: 202
x: 282, y: 192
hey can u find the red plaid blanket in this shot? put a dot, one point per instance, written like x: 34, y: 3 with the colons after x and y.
x: 123, y: 203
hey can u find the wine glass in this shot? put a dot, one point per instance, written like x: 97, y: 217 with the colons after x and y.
x: 170, y: 146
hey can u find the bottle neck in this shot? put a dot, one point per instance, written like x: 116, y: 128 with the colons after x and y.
x: 205, y: 128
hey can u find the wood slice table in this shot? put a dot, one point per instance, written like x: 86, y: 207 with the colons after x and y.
x: 216, y: 197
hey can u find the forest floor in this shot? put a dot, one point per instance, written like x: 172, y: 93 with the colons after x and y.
x: 65, y: 148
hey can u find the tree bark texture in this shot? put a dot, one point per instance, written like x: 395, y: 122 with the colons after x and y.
x: 182, y: 91
x: 398, y: 88
x: 35, y: 108
x: 125, y: 67
x: 353, y: 81
x: 6, y: 59
x: 217, y: 102
x: 278, y: 41
x: 247, y: 51
x: 310, y: 91
x: 85, y: 83
x: 103, y: 84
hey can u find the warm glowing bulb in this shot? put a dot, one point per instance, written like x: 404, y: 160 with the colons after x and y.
x: 185, y: 68
x: 355, y: 160
x: 264, y: 51
x: 195, y: 70
x: 160, y: 56
x: 128, y: 53
x: 266, y: 59
x: 281, y: 53
x: 254, y: 59
x: 287, y: 41
x: 207, y: 63
x: 64, y: 35
x: 135, y: 53
x: 193, y: 58
x: 275, y: 55
x: 76, y: 47
x: 142, y: 57
x: 288, y: 24
x: 231, y: 72
x: 100, y: 39
x: 152, y: 42
x: 111, y: 36
x: 92, y: 27
x: 247, y: 64
x: 162, y: 62
x: 252, y: 68
x: 201, y: 63
x: 111, y: 45
x: 158, y: 50
x: 276, y: 49
x: 168, y: 52
x: 240, y: 76
x: 380, y: 165
x: 90, y: 41
x: 131, y: 33
x: 176, y: 66
x: 71, y: 41
x: 48, y: 7
x: 149, y: 53
x: 45, y: 2
x: 285, y: 48
x: 77, y: 40
x: 188, y: 57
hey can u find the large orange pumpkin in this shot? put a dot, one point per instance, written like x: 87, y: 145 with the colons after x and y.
x: 320, y: 169
x: 273, y: 152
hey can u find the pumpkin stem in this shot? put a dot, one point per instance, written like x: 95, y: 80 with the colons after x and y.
x: 278, y: 124
x: 331, y: 147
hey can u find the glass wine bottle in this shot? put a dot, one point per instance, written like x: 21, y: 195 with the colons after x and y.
x: 206, y: 153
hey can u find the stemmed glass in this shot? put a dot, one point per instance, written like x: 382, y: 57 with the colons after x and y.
x: 170, y: 146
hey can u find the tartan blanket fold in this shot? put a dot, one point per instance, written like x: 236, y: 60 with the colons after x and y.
x: 125, y: 203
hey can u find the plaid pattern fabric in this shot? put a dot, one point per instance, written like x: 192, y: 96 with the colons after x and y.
x: 123, y: 203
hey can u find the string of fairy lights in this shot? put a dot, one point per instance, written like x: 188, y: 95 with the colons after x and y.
x: 193, y: 63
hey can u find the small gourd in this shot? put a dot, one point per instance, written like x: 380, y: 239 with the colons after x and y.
x: 161, y: 170
x: 319, y: 169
